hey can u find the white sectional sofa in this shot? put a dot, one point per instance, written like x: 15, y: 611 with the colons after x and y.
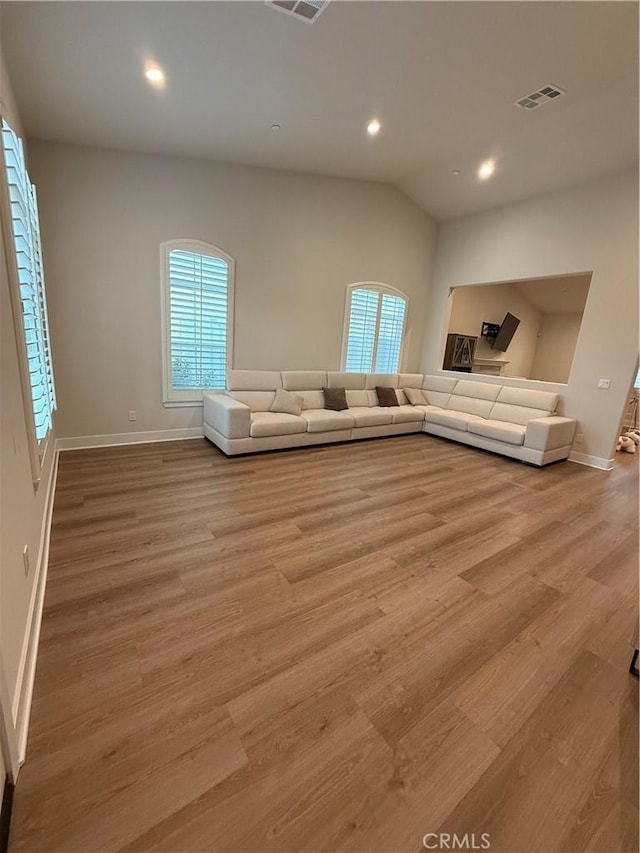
x: 516, y: 422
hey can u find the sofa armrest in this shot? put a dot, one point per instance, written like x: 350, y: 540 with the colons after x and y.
x: 549, y: 433
x: 227, y: 416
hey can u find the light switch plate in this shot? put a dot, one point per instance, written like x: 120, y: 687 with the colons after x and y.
x: 604, y: 383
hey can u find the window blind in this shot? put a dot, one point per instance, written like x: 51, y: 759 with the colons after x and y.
x: 199, y: 295
x: 375, y: 331
x: 390, y: 329
x: 363, y: 320
x: 28, y: 253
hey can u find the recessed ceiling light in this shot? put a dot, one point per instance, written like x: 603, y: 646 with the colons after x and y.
x: 275, y: 128
x: 373, y: 128
x: 456, y: 173
x: 154, y: 75
x: 486, y: 170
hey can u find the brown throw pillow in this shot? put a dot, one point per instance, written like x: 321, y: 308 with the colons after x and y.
x: 335, y: 399
x: 386, y: 396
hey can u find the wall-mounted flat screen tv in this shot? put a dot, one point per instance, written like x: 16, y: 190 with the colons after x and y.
x: 507, y: 331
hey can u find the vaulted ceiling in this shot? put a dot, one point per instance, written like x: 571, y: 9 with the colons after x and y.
x: 442, y: 78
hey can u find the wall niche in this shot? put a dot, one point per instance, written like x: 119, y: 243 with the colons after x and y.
x: 542, y: 347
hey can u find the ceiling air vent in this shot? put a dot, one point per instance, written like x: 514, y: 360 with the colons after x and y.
x: 542, y: 96
x: 304, y: 10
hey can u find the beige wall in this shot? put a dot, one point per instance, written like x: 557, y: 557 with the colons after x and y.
x: 473, y: 305
x: 22, y: 508
x: 556, y: 347
x: 9, y: 107
x: 298, y: 242
x: 591, y: 227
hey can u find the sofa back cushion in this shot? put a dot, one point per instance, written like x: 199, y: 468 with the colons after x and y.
x: 516, y: 414
x: 304, y: 380
x: 410, y: 380
x: 545, y: 400
x: 388, y: 380
x: 348, y: 381
x: 253, y: 380
x: 437, y: 389
x: 470, y: 405
x: 358, y: 398
x: 312, y: 399
x: 258, y: 401
x: 477, y: 390
x: 475, y: 398
x: 520, y: 405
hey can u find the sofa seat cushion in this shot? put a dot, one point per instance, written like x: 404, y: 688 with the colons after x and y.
x: 449, y: 418
x: 275, y: 423
x: 370, y: 415
x: 324, y: 420
x: 499, y: 430
x: 424, y: 408
x: 408, y: 414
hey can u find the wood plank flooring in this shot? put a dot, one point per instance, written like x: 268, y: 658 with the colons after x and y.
x: 334, y: 649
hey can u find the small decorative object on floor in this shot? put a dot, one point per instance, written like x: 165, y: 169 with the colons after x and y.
x: 633, y: 669
x: 626, y: 444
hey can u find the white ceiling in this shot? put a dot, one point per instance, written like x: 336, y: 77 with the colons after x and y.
x: 441, y: 77
x: 559, y: 295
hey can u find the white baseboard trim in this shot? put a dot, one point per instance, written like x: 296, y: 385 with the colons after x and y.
x: 591, y: 461
x: 29, y: 656
x: 82, y: 442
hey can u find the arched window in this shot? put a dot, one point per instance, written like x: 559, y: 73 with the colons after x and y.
x: 197, y: 291
x: 374, y: 328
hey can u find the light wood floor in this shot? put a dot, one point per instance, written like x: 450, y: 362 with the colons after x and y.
x: 337, y: 648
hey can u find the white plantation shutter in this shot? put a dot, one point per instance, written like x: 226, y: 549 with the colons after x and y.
x: 363, y: 319
x: 28, y: 253
x: 375, y: 330
x: 390, y: 331
x: 198, y: 299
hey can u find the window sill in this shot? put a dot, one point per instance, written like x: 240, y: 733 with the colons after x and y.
x: 180, y: 404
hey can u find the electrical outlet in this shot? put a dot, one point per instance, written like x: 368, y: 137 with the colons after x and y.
x: 579, y: 438
x: 604, y: 383
x: 25, y: 559
x: 132, y: 415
